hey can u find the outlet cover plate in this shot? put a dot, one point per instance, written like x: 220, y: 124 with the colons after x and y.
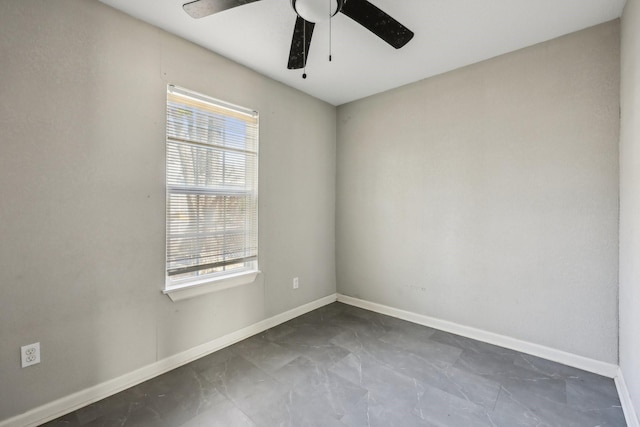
x: 30, y: 354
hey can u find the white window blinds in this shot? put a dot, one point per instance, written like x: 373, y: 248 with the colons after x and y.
x: 212, y: 187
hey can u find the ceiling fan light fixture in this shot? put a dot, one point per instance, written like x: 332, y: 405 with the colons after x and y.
x: 316, y: 10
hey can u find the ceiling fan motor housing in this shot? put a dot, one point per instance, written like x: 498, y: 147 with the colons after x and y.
x: 317, y: 10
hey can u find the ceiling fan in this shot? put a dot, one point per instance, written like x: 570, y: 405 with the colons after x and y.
x: 310, y: 12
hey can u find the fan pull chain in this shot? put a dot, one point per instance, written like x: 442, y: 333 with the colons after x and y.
x: 330, y: 16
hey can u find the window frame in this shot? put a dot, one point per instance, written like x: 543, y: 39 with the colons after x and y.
x: 187, y: 287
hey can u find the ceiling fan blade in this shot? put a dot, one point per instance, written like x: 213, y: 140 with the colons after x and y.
x: 302, y: 33
x: 202, y: 8
x: 378, y: 22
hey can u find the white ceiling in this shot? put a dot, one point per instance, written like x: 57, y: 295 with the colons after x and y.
x: 449, y: 34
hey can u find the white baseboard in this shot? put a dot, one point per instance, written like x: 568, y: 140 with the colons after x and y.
x: 85, y: 397
x: 601, y: 368
x: 625, y: 399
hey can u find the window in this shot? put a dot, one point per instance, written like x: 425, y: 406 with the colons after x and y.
x: 212, y: 190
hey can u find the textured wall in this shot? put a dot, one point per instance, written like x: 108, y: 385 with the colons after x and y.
x: 630, y: 201
x: 82, y: 112
x: 488, y: 196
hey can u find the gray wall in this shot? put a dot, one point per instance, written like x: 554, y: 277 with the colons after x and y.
x: 488, y: 196
x: 630, y: 202
x: 82, y: 112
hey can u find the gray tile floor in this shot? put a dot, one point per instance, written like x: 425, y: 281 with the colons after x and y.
x: 343, y: 366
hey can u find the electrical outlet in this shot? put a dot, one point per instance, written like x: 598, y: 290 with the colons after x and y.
x: 296, y: 283
x: 30, y: 354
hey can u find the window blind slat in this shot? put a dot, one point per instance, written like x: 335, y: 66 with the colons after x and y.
x: 210, y: 265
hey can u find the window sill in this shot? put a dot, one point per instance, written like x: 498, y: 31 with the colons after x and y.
x: 179, y: 293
